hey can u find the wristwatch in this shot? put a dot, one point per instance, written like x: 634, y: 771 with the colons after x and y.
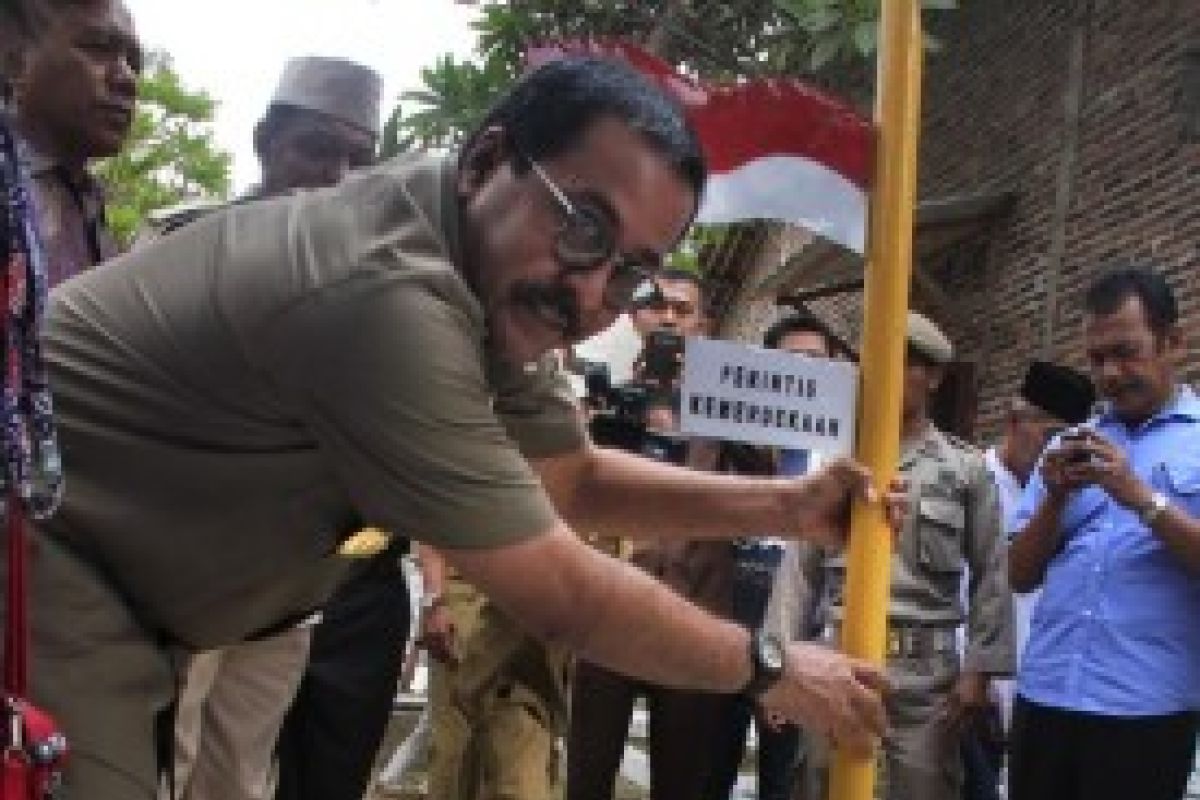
x: 1158, y: 504
x: 766, y: 660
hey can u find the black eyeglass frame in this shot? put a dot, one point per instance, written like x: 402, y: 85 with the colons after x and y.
x: 628, y: 278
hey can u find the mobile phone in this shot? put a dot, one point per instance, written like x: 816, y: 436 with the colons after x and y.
x: 662, y: 356
x: 1076, y: 436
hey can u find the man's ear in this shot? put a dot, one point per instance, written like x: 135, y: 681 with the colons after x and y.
x: 937, y: 373
x: 485, y: 154
x: 1172, y: 342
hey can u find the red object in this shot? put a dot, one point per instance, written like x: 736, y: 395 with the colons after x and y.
x: 776, y: 148
x: 34, y: 750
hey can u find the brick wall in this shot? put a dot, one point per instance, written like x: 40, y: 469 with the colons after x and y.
x: 1086, y: 110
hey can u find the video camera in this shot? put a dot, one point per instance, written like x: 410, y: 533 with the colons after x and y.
x: 619, y: 416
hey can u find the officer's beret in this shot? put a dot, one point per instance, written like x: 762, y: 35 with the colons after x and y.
x: 342, y: 89
x: 1061, y: 392
x: 927, y: 339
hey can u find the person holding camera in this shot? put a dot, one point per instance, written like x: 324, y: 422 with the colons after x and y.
x: 603, y: 699
x: 780, y: 754
x: 1109, y: 529
x: 280, y: 375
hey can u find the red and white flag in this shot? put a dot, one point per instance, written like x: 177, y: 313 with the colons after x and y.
x: 776, y: 148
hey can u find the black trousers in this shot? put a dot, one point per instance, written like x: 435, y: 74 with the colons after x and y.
x: 1067, y: 755
x: 334, y: 728
x: 778, y: 754
x: 681, y: 726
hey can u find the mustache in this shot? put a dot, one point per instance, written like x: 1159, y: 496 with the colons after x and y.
x: 1126, y: 387
x: 552, y: 302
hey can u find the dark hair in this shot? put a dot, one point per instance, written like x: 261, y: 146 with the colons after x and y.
x: 799, y: 322
x: 1108, y: 292
x: 548, y: 111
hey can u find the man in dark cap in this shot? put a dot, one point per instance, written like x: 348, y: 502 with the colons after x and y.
x: 322, y: 122
x: 1052, y: 396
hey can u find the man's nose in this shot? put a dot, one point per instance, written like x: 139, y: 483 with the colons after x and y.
x: 122, y: 77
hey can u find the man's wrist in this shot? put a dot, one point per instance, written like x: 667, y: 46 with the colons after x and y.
x: 768, y: 658
x: 1151, y: 510
x: 432, y: 600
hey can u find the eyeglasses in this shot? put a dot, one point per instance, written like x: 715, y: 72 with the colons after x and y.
x: 588, y: 239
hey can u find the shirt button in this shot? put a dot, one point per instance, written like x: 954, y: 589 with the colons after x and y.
x: 1087, y: 612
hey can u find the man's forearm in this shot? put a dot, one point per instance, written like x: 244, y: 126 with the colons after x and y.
x: 1032, y: 549
x: 609, y: 612
x: 620, y: 494
x: 1181, y: 534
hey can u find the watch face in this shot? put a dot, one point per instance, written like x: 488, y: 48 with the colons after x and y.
x: 772, y: 652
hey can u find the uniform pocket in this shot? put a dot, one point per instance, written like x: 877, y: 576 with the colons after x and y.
x: 1183, y: 484
x: 940, y: 524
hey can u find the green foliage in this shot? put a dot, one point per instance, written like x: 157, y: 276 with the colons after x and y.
x: 843, y: 31
x: 721, y: 39
x: 453, y: 98
x: 726, y: 39
x: 169, y: 156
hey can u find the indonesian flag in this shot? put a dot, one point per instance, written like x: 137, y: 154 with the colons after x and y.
x: 776, y: 149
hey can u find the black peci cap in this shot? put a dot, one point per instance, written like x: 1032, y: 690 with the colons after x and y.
x: 1061, y: 392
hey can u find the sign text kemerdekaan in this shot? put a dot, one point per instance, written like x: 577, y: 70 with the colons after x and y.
x: 768, y: 397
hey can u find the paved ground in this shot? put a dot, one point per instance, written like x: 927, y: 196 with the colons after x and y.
x: 634, y: 768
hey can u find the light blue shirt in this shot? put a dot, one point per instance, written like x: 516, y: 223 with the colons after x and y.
x: 1117, y: 628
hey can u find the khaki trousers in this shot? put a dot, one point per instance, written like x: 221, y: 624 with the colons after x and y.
x: 496, y: 716
x: 100, y: 673
x: 921, y: 758
x: 230, y: 710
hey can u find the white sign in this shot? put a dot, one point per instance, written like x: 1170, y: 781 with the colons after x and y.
x: 748, y: 394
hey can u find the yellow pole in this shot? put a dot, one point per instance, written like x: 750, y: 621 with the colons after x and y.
x: 889, y: 267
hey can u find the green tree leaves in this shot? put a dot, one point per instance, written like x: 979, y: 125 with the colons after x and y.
x: 169, y: 156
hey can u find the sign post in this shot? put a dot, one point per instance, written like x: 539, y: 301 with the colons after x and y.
x: 888, y: 271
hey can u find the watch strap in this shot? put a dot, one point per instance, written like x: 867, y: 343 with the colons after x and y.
x: 1150, y: 514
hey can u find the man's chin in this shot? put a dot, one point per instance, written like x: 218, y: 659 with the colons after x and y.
x: 517, y: 343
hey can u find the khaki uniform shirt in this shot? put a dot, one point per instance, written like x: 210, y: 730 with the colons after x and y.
x: 238, y: 397
x: 954, y: 522
x: 75, y: 235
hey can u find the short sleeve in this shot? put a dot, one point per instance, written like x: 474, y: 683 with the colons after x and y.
x: 538, y: 408
x: 390, y: 375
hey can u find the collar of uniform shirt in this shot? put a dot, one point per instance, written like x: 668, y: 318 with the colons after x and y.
x: 1184, y: 405
x: 39, y: 165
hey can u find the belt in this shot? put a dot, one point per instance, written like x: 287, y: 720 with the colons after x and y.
x: 909, y: 641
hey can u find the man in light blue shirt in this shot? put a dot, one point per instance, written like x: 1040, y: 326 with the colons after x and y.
x: 1109, y: 528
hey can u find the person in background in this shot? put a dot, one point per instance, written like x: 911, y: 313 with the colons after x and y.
x: 1051, y: 398
x: 233, y: 700
x: 756, y: 561
x: 73, y: 94
x: 1109, y: 530
x: 955, y: 526
x: 321, y: 123
x: 602, y: 701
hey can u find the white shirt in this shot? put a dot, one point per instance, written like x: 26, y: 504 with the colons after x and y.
x: 1010, y: 491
